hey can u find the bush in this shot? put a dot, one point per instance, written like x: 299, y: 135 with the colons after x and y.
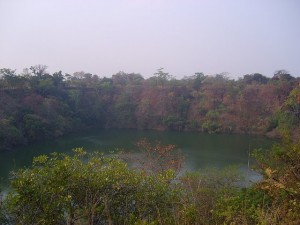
x: 202, y: 191
x: 246, y: 206
x: 91, y: 189
x: 281, y: 169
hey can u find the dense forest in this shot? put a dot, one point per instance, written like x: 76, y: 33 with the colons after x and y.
x: 36, y: 105
x: 92, y: 188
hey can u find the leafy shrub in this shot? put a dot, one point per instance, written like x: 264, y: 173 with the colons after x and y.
x: 246, y: 206
x: 281, y: 169
x: 88, y: 189
x: 202, y: 191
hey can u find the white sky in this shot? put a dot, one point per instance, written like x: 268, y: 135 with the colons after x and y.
x: 183, y: 36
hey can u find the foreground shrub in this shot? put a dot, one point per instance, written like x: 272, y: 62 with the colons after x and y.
x: 281, y: 169
x: 247, y: 206
x: 96, y: 189
x: 88, y: 189
x: 274, y: 200
x: 203, y: 190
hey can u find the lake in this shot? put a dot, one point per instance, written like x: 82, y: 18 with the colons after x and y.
x: 200, y: 150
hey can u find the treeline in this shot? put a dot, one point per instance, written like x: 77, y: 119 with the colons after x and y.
x: 36, y: 105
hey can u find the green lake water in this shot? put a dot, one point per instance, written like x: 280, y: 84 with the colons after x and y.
x: 200, y: 150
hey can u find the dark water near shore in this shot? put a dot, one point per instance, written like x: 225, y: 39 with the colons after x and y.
x: 200, y: 150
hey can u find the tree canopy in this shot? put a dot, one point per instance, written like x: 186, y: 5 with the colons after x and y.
x: 37, y: 105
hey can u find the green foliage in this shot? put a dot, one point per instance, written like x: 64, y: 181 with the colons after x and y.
x: 213, y: 198
x: 255, y: 78
x: 9, y: 134
x: 211, y: 124
x: 281, y: 168
x: 35, y: 128
x: 243, y: 207
x: 162, y: 77
x: 87, y: 188
x: 43, y: 105
x: 203, y: 191
x: 174, y: 123
x: 124, y: 112
x: 292, y: 106
x: 283, y: 121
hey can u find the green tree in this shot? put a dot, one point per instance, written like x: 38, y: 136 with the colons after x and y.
x: 282, y: 75
x: 35, y: 127
x: 10, y: 78
x: 255, y: 78
x: 198, y: 78
x: 162, y: 77
x: 39, y: 70
x: 292, y: 104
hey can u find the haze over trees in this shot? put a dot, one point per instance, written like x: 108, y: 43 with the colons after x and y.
x: 36, y: 105
x: 96, y: 189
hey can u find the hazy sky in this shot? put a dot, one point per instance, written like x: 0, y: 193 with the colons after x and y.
x: 183, y: 36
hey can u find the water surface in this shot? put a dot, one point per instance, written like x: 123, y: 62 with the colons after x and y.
x: 200, y: 150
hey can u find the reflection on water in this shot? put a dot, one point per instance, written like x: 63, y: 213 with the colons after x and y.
x: 200, y: 150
